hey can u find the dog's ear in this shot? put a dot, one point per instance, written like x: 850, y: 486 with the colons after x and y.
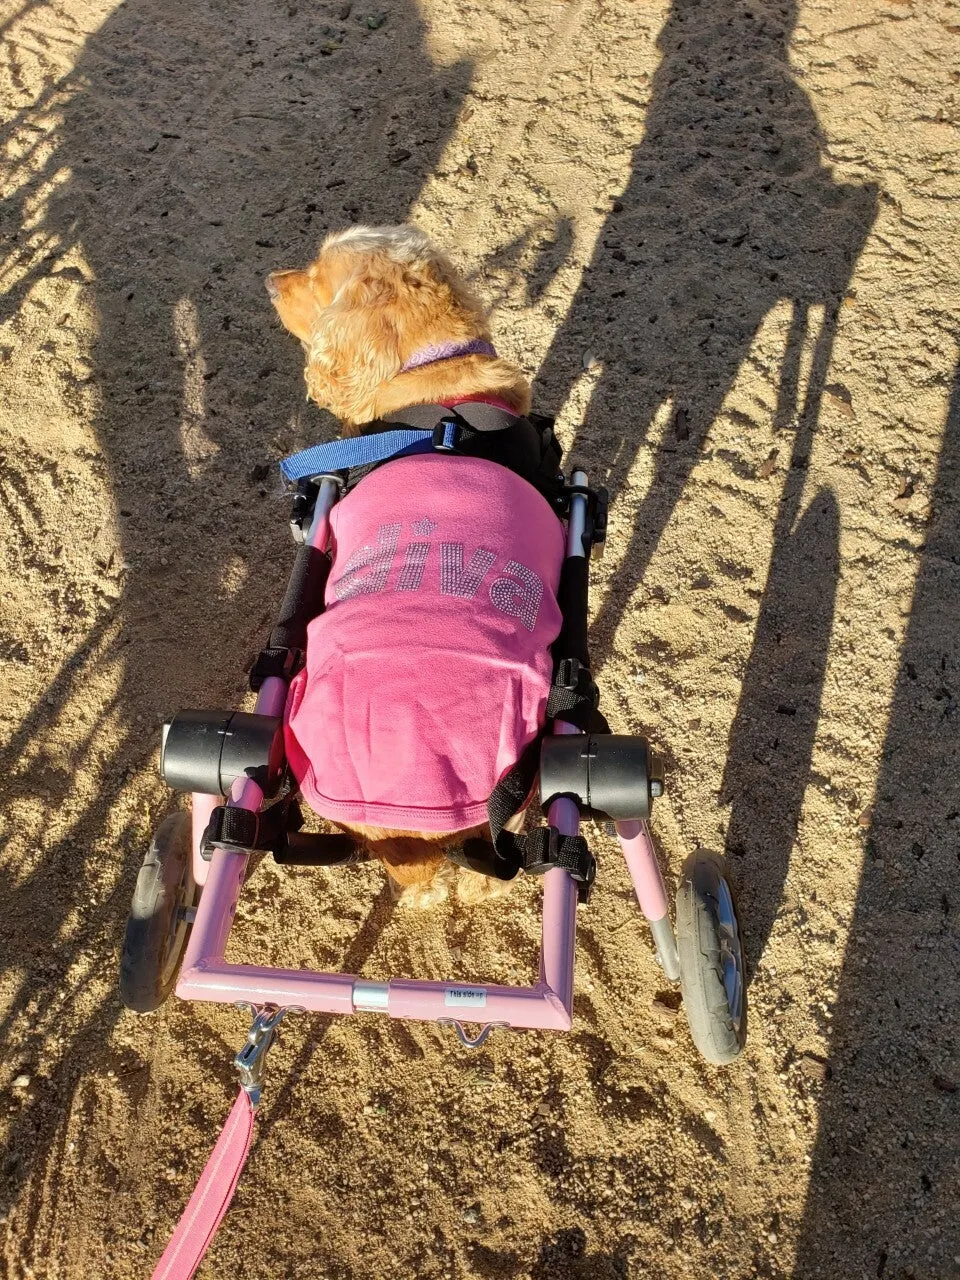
x: 356, y: 341
x: 296, y: 303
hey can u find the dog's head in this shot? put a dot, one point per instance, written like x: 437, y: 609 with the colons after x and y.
x: 372, y: 298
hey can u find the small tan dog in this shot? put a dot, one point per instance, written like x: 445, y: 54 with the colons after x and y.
x: 372, y: 300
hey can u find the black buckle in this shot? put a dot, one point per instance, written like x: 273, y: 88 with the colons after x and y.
x: 305, y: 499
x: 585, y: 883
x: 549, y: 840
x: 598, y: 506
x: 303, y: 504
x: 567, y: 674
x: 582, y: 693
x: 446, y: 436
x: 598, y: 517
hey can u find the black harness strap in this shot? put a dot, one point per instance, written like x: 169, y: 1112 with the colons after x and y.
x: 574, y: 697
x: 477, y: 414
x: 575, y: 703
x: 524, y: 445
x: 242, y: 831
x: 546, y: 848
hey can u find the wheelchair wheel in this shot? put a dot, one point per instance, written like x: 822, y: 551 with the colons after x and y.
x: 157, y: 926
x: 712, y: 972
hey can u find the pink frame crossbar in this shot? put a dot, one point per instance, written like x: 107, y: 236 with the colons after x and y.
x: 548, y: 1005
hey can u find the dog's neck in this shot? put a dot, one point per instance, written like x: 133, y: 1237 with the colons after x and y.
x: 492, y: 400
x: 471, y: 377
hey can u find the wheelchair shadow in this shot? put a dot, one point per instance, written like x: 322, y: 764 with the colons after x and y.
x: 883, y: 1191
x: 192, y: 157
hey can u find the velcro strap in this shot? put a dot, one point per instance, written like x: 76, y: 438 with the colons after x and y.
x: 544, y: 849
x: 230, y: 828
x: 574, y: 696
x: 241, y: 831
x: 284, y: 663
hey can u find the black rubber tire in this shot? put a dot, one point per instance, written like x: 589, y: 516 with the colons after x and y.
x: 156, y: 933
x: 705, y: 947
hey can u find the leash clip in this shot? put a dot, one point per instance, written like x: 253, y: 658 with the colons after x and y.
x: 470, y: 1042
x: 249, y: 1062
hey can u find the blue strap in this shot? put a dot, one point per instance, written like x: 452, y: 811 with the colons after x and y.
x: 341, y: 455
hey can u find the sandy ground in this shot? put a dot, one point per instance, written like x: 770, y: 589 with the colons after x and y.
x: 724, y: 236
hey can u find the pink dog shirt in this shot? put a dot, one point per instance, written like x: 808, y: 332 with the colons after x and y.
x: 428, y: 673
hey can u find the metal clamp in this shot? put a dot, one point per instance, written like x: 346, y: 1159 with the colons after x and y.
x: 305, y: 501
x: 249, y: 1062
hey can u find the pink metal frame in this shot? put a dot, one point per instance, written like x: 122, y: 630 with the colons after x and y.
x: 548, y: 1005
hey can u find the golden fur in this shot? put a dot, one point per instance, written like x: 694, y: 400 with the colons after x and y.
x: 372, y: 298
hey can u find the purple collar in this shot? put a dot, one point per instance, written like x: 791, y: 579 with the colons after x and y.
x: 448, y: 351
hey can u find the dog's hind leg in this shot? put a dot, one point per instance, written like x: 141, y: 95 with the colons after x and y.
x: 425, y: 893
x: 473, y: 889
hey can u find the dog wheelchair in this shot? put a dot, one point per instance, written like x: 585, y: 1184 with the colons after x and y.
x: 243, y: 801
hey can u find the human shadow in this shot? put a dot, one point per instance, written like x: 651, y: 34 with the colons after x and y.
x: 883, y: 1183
x: 199, y: 147
x: 729, y: 210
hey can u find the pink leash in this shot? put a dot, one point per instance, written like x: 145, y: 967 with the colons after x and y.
x: 211, y: 1197
x: 213, y: 1193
